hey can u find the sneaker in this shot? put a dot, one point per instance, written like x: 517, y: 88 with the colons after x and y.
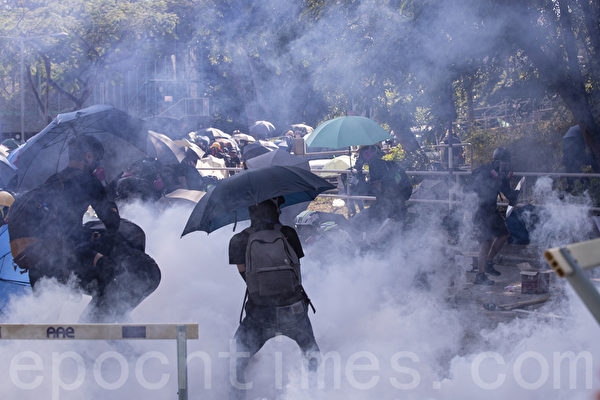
x: 489, y: 268
x: 482, y: 279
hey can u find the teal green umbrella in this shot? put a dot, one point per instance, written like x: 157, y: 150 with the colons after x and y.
x: 343, y: 132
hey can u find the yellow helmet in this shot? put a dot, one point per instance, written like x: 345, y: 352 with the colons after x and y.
x: 6, y: 199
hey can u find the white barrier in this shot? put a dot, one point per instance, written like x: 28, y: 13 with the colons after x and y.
x: 179, y: 332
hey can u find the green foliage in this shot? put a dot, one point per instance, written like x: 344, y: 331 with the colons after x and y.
x: 414, y: 66
x: 72, y: 44
x: 396, y: 153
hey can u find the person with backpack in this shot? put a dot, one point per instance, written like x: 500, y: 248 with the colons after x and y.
x: 267, y: 256
x: 487, y: 182
x: 47, y: 236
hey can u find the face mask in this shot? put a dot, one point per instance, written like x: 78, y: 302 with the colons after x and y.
x: 100, y: 174
x: 501, y: 169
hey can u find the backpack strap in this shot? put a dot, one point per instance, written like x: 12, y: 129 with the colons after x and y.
x: 251, y: 231
x: 278, y: 227
x: 308, y: 299
x: 244, y: 305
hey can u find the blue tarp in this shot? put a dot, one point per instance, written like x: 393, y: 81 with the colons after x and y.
x: 12, y: 283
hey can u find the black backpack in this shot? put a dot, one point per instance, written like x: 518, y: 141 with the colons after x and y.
x: 272, y: 266
x: 32, y: 215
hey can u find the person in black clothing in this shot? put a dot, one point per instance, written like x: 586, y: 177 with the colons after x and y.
x: 269, y: 316
x: 388, y: 182
x: 49, y: 240
x: 487, y: 182
x: 458, y: 157
x: 577, y: 157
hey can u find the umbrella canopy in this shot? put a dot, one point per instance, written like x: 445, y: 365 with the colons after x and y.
x: 228, y: 202
x: 123, y: 137
x: 7, y: 171
x: 255, y: 149
x: 282, y: 144
x: 343, y: 132
x: 189, y: 146
x: 214, y: 133
x: 167, y: 151
x: 262, y: 129
x: 278, y: 157
x: 186, y: 194
x: 306, y: 129
x: 283, y: 158
x: 197, y: 138
x: 242, y: 137
x: 337, y: 163
x: 268, y: 144
x: 212, y: 161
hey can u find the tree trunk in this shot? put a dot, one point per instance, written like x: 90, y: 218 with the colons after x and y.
x: 36, y: 95
x: 48, y: 68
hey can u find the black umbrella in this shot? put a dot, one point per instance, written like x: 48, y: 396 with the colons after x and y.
x: 282, y: 157
x: 7, y: 172
x: 254, y: 149
x: 123, y: 138
x: 229, y: 200
x: 262, y: 129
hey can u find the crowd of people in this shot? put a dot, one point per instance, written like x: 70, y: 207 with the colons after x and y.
x: 102, y: 258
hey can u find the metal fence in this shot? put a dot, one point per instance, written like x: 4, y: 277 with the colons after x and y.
x: 451, y: 173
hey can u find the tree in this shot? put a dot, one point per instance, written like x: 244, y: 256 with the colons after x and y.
x: 101, y: 39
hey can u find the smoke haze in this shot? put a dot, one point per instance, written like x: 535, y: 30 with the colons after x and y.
x: 382, y: 336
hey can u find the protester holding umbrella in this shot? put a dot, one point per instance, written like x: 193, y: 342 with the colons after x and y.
x: 48, y: 240
x: 267, y: 257
x: 121, y: 135
x: 266, y: 254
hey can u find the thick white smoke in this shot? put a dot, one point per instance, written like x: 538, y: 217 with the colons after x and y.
x: 382, y: 334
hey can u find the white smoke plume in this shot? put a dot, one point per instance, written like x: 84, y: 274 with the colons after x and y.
x: 381, y: 334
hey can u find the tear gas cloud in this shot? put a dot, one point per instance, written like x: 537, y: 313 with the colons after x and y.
x: 345, y: 51
x: 382, y: 335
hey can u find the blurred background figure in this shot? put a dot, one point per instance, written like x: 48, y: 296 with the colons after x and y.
x: 458, y: 157
x: 577, y: 157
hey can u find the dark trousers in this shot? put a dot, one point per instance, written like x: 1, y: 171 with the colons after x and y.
x: 264, y: 323
x: 117, y: 285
